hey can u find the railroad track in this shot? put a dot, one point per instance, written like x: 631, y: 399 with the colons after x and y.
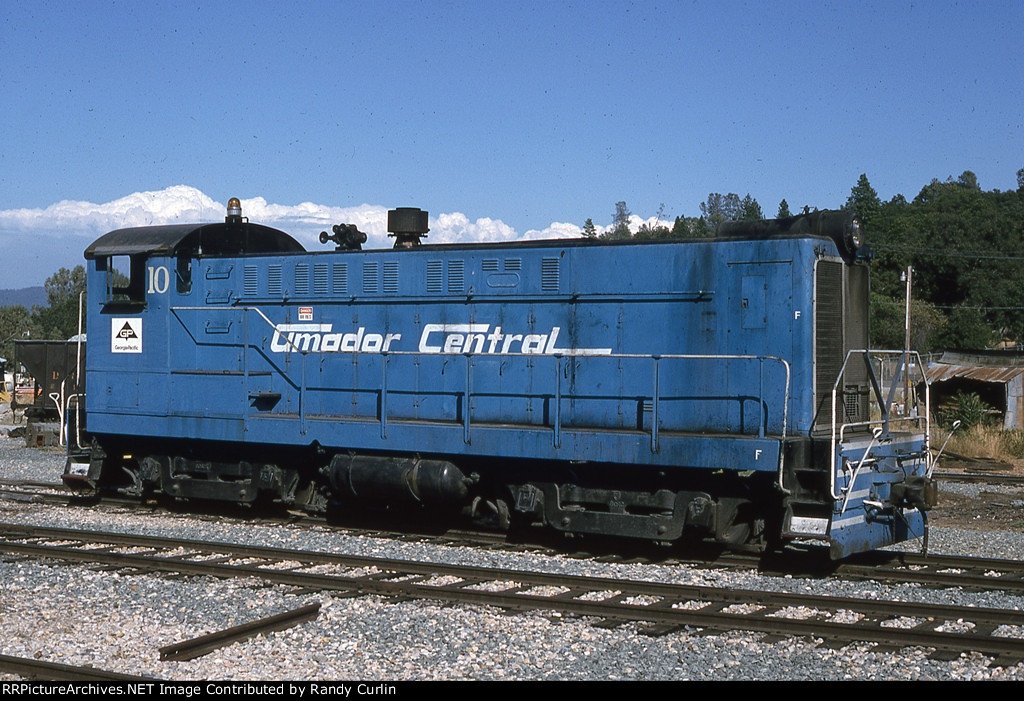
x: 891, y: 567
x: 898, y: 567
x: 657, y: 608
x: 994, y: 478
x: 973, y: 573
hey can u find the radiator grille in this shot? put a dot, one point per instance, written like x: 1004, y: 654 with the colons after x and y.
x: 828, y: 338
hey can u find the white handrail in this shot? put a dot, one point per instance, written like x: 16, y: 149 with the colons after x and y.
x: 884, y: 421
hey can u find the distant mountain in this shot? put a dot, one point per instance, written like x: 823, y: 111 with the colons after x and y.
x: 25, y: 297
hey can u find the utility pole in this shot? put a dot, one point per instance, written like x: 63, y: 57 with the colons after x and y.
x: 907, y: 277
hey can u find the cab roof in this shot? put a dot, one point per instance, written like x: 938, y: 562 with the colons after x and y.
x: 218, y: 238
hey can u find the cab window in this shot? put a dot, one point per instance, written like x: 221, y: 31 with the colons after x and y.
x: 126, y: 280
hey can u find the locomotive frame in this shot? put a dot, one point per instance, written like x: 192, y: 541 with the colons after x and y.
x: 717, y: 389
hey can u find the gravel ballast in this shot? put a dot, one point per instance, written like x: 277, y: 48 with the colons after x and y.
x: 74, y: 615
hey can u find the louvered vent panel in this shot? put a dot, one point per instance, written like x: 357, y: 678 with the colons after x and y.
x: 274, y: 279
x: 549, y: 274
x: 857, y: 385
x: 371, y: 277
x: 456, y: 276
x: 339, y: 278
x: 320, y: 279
x: 302, y: 278
x: 489, y: 265
x: 828, y: 336
x: 435, y: 276
x: 391, y: 277
x: 512, y: 264
x: 250, y: 281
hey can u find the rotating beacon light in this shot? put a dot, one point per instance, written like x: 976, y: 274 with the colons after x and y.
x: 234, y: 212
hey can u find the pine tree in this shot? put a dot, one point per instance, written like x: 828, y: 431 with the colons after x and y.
x: 720, y: 208
x: 620, y: 223
x: 750, y: 209
x: 864, y: 202
x: 589, y: 230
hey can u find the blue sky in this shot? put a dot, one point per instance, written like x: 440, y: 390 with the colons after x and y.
x: 503, y: 119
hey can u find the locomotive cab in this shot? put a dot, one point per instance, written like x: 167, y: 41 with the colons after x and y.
x: 136, y: 278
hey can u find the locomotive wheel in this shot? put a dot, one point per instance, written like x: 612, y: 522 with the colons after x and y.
x: 491, y: 514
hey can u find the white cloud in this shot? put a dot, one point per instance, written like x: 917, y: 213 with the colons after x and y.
x: 557, y: 230
x: 305, y: 221
x: 71, y: 217
x: 182, y: 203
x: 68, y: 226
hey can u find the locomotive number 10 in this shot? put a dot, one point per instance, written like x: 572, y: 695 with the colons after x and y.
x: 159, y: 279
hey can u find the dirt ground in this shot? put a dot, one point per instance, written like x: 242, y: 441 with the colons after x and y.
x: 986, y: 511
x: 981, y: 506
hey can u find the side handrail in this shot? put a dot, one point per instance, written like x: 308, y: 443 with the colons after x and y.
x: 885, y: 406
x: 58, y: 399
x: 63, y: 404
x: 77, y: 399
x: 657, y: 360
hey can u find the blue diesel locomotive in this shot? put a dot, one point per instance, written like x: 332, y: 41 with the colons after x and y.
x: 713, y: 390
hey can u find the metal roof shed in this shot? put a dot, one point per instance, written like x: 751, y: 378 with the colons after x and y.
x: 995, y: 376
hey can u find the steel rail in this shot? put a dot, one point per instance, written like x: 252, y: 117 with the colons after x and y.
x: 934, y: 570
x: 1014, y: 480
x: 983, y: 574
x: 54, y: 671
x: 197, y: 647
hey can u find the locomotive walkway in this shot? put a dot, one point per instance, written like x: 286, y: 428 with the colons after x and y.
x: 657, y: 608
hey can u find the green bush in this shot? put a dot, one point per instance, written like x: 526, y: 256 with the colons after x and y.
x: 967, y: 408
